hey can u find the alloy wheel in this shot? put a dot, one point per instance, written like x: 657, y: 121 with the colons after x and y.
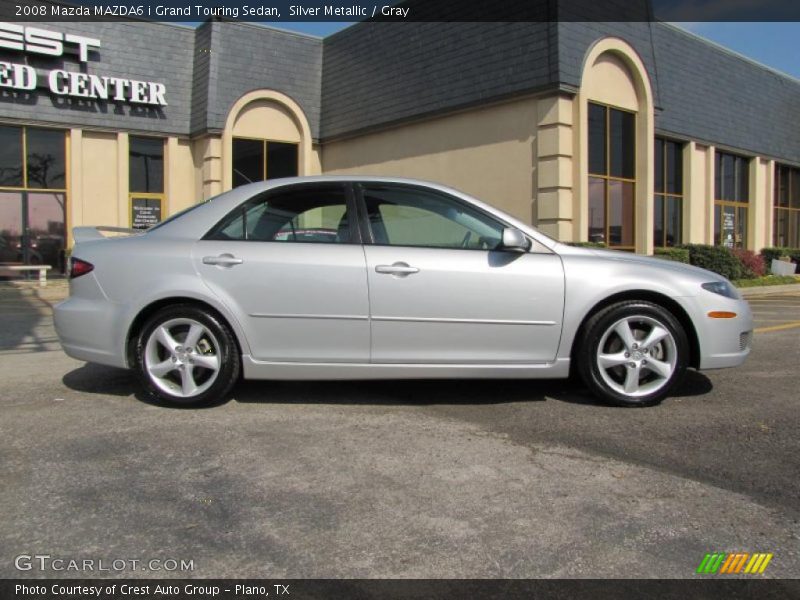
x: 182, y: 357
x: 637, y: 355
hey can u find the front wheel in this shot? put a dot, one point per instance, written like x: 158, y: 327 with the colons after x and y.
x: 634, y: 353
x: 186, y: 356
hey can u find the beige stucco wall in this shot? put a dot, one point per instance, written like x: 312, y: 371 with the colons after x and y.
x: 98, y: 184
x: 207, y: 160
x: 697, y: 220
x: 489, y: 153
x: 266, y: 119
x: 609, y: 80
x: 179, y: 176
x: 95, y: 164
x: 555, y: 167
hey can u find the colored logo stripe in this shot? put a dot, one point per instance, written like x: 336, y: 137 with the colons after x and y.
x: 758, y: 563
x: 733, y: 563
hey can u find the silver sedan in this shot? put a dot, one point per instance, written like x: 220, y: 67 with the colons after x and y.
x: 374, y: 278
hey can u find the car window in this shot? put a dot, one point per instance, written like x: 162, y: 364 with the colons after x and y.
x: 302, y: 215
x: 409, y: 216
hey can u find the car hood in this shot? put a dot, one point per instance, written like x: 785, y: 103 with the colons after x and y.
x: 637, y: 259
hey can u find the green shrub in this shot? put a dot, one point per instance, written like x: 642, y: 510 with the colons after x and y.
x: 776, y: 252
x: 718, y: 259
x: 586, y: 244
x: 676, y: 254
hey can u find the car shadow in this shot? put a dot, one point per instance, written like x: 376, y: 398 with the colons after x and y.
x: 98, y: 379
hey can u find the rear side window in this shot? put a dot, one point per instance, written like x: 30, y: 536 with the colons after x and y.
x: 310, y: 214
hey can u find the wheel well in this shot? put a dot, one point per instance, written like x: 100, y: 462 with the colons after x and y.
x: 656, y: 298
x: 151, y: 309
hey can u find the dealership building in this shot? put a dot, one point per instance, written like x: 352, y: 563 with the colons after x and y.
x: 636, y: 134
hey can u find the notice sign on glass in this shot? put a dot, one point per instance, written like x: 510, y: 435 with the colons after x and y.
x: 145, y: 212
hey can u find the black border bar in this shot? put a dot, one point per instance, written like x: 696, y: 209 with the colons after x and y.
x: 399, y: 589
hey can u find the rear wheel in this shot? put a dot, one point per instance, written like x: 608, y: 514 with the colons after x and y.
x: 186, y: 356
x: 634, y: 353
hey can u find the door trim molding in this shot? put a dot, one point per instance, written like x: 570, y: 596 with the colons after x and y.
x: 462, y: 321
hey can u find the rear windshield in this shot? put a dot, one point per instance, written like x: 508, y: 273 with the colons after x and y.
x: 177, y: 215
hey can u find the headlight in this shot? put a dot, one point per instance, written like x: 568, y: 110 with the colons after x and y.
x: 723, y: 288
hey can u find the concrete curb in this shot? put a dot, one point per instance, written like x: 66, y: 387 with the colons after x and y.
x: 770, y: 290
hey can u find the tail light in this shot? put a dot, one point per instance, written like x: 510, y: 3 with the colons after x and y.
x: 78, y: 267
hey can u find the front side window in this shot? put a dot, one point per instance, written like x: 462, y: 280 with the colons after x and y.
x: 409, y: 216
x: 258, y: 160
x: 612, y: 176
x: 731, y: 197
x: 786, y: 230
x: 668, y: 214
x: 146, y: 181
x: 309, y: 214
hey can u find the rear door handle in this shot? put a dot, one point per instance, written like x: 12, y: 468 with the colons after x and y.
x: 223, y: 260
x: 399, y: 268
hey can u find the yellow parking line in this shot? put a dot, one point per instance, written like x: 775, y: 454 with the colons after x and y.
x: 791, y: 325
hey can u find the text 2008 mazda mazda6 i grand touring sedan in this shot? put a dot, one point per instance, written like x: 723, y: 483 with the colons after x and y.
x: 366, y: 278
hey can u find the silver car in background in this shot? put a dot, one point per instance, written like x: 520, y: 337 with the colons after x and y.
x: 336, y: 278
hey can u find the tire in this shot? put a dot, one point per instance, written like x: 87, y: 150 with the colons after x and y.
x: 199, y: 373
x: 636, y: 370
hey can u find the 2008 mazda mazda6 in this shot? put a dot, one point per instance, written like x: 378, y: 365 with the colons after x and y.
x: 373, y: 278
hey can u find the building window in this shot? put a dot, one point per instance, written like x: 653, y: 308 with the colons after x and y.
x: 787, y: 207
x: 145, y: 181
x: 612, y: 176
x: 731, y: 197
x: 33, y: 195
x: 668, y: 214
x: 257, y: 160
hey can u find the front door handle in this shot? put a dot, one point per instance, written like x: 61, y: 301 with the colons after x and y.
x: 223, y: 260
x: 400, y: 269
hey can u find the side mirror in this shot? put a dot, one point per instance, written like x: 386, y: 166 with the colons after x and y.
x: 514, y: 241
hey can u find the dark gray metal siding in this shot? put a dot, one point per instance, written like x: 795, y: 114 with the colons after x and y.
x: 378, y: 73
x: 129, y: 50
x: 205, y: 71
x: 249, y: 57
x: 202, y: 69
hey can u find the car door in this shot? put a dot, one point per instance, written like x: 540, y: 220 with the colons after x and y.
x: 440, y: 290
x: 290, y: 266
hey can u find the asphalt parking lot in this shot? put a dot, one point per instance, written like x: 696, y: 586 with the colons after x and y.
x: 396, y: 479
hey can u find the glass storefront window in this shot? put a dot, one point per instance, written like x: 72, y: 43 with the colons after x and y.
x: 145, y: 181
x: 597, y: 210
x: 731, y: 197
x: 786, y: 223
x: 282, y: 160
x: 33, y: 181
x: 46, y: 159
x: 11, y: 160
x: 612, y: 176
x: 668, y: 199
x: 248, y: 161
x: 257, y: 160
x: 146, y: 165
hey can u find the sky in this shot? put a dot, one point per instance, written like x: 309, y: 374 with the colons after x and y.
x: 772, y: 44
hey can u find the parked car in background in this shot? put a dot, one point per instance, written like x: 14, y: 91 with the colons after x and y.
x: 372, y: 278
